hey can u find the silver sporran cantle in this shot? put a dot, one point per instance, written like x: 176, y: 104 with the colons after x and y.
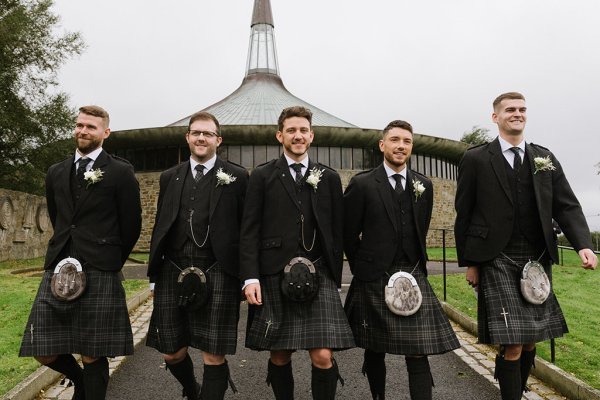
x: 192, y: 289
x: 68, y: 282
x: 535, y: 285
x: 402, y: 294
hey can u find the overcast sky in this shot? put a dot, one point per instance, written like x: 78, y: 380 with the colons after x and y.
x: 437, y: 64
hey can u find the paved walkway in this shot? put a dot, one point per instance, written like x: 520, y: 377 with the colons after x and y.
x: 467, y: 373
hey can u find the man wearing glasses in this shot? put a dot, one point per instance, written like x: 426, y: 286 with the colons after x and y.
x: 194, y: 261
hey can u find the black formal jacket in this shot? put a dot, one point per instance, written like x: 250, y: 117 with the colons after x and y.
x: 269, y: 234
x: 484, y: 204
x: 371, y: 233
x: 105, y: 222
x: 225, y: 214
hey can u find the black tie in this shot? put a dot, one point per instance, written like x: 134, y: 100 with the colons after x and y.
x: 399, y: 189
x: 199, y: 172
x: 82, y: 168
x: 298, y: 168
x: 517, y: 161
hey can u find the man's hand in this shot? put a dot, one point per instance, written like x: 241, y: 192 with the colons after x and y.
x: 473, y: 276
x: 589, y: 260
x: 252, y: 293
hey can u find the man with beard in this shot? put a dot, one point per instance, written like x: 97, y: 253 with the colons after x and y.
x: 508, y: 192
x: 291, y: 260
x: 387, y: 214
x: 93, y: 202
x: 196, y: 231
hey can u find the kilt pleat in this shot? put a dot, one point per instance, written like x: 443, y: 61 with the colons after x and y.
x: 281, y: 324
x: 376, y: 328
x: 500, y: 297
x: 212, y: 329
x: 96, y: 324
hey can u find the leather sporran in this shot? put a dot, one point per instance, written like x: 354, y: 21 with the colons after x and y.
x: 535, y: 285
x: 300, y: 280
x: 402, y: 294
x: 69, y: 281
x: 192, y: 289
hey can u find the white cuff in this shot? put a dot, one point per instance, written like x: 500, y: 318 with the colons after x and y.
x: 248, y: 282
x: 152, y: 286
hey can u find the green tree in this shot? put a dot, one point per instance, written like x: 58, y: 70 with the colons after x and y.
x: 477, y: 135
x: 35, y: 117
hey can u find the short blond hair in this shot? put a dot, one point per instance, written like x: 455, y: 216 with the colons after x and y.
x: 96, y: 111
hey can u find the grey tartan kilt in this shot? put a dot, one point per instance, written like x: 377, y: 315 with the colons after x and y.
x: 96, y: 324
x: 376, y: 328
x: 212, y: 329
x: 282, y: 324
x: 500, y: 292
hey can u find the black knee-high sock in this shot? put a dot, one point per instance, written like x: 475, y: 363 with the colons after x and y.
x: 324, y: 382
x: 95, y: 379
x: 527, y: 361
x: 281, y: 380
x: 420, y: 381
x: 183, y: 371
x: 508, y: 374
x: 68, y: 366
x: 374, y: 369
x: 214, y: 381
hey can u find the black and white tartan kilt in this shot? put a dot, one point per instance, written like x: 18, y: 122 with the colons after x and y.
x: 376, y: 328
x: 500, y: 293
x: 282, y: 324
x: 94, y: 325
x: 212, y: 329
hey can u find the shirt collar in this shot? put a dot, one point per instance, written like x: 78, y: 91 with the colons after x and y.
x: 207, y: 165
x: 389, y: 172
x: 505, y: 146
x: 93, y: 155
x: 304, y: 162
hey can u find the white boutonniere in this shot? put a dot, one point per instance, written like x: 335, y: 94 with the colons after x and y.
x: 418, y: 188
x: 223, y: 178
x: 543, y: 164
x: 93, y: 176
x: 314, y: 177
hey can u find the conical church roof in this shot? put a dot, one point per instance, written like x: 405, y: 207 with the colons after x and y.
x: 262, y: 95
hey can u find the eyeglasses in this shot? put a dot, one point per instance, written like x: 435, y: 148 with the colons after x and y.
x: 206, y: 134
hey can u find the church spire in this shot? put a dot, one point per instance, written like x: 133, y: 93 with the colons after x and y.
x: 262, y: 55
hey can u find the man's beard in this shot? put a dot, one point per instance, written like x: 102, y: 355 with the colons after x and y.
x: 87, y: 146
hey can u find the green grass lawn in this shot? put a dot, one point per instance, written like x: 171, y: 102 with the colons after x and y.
x: 578, y: 352
x: 16, y: 297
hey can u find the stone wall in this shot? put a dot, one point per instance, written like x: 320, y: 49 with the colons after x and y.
x: 25, y: 227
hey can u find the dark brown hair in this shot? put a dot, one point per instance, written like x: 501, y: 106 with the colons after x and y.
x: 295, y: 111
x: 508, y: 95
x: 204, y: 116
x: 398, y: 124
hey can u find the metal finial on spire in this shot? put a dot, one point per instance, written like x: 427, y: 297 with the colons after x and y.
x: 262, y: 13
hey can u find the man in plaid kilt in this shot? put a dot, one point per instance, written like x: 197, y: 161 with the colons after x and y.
x: 93, y: 202
x: 387, y: 214
x: 293, y: 214
x: 196, y: 239
x: 509, y: 191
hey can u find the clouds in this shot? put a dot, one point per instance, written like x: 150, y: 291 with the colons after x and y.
x: 436, y: 64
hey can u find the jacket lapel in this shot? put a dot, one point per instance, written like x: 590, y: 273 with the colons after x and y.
x: 215, y: 192
x: 416, y: 203
x: 286, y: 181
x: 498, y: 164
x: 64, y: 181
x: 383, y: 187
x: 175, y: 189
